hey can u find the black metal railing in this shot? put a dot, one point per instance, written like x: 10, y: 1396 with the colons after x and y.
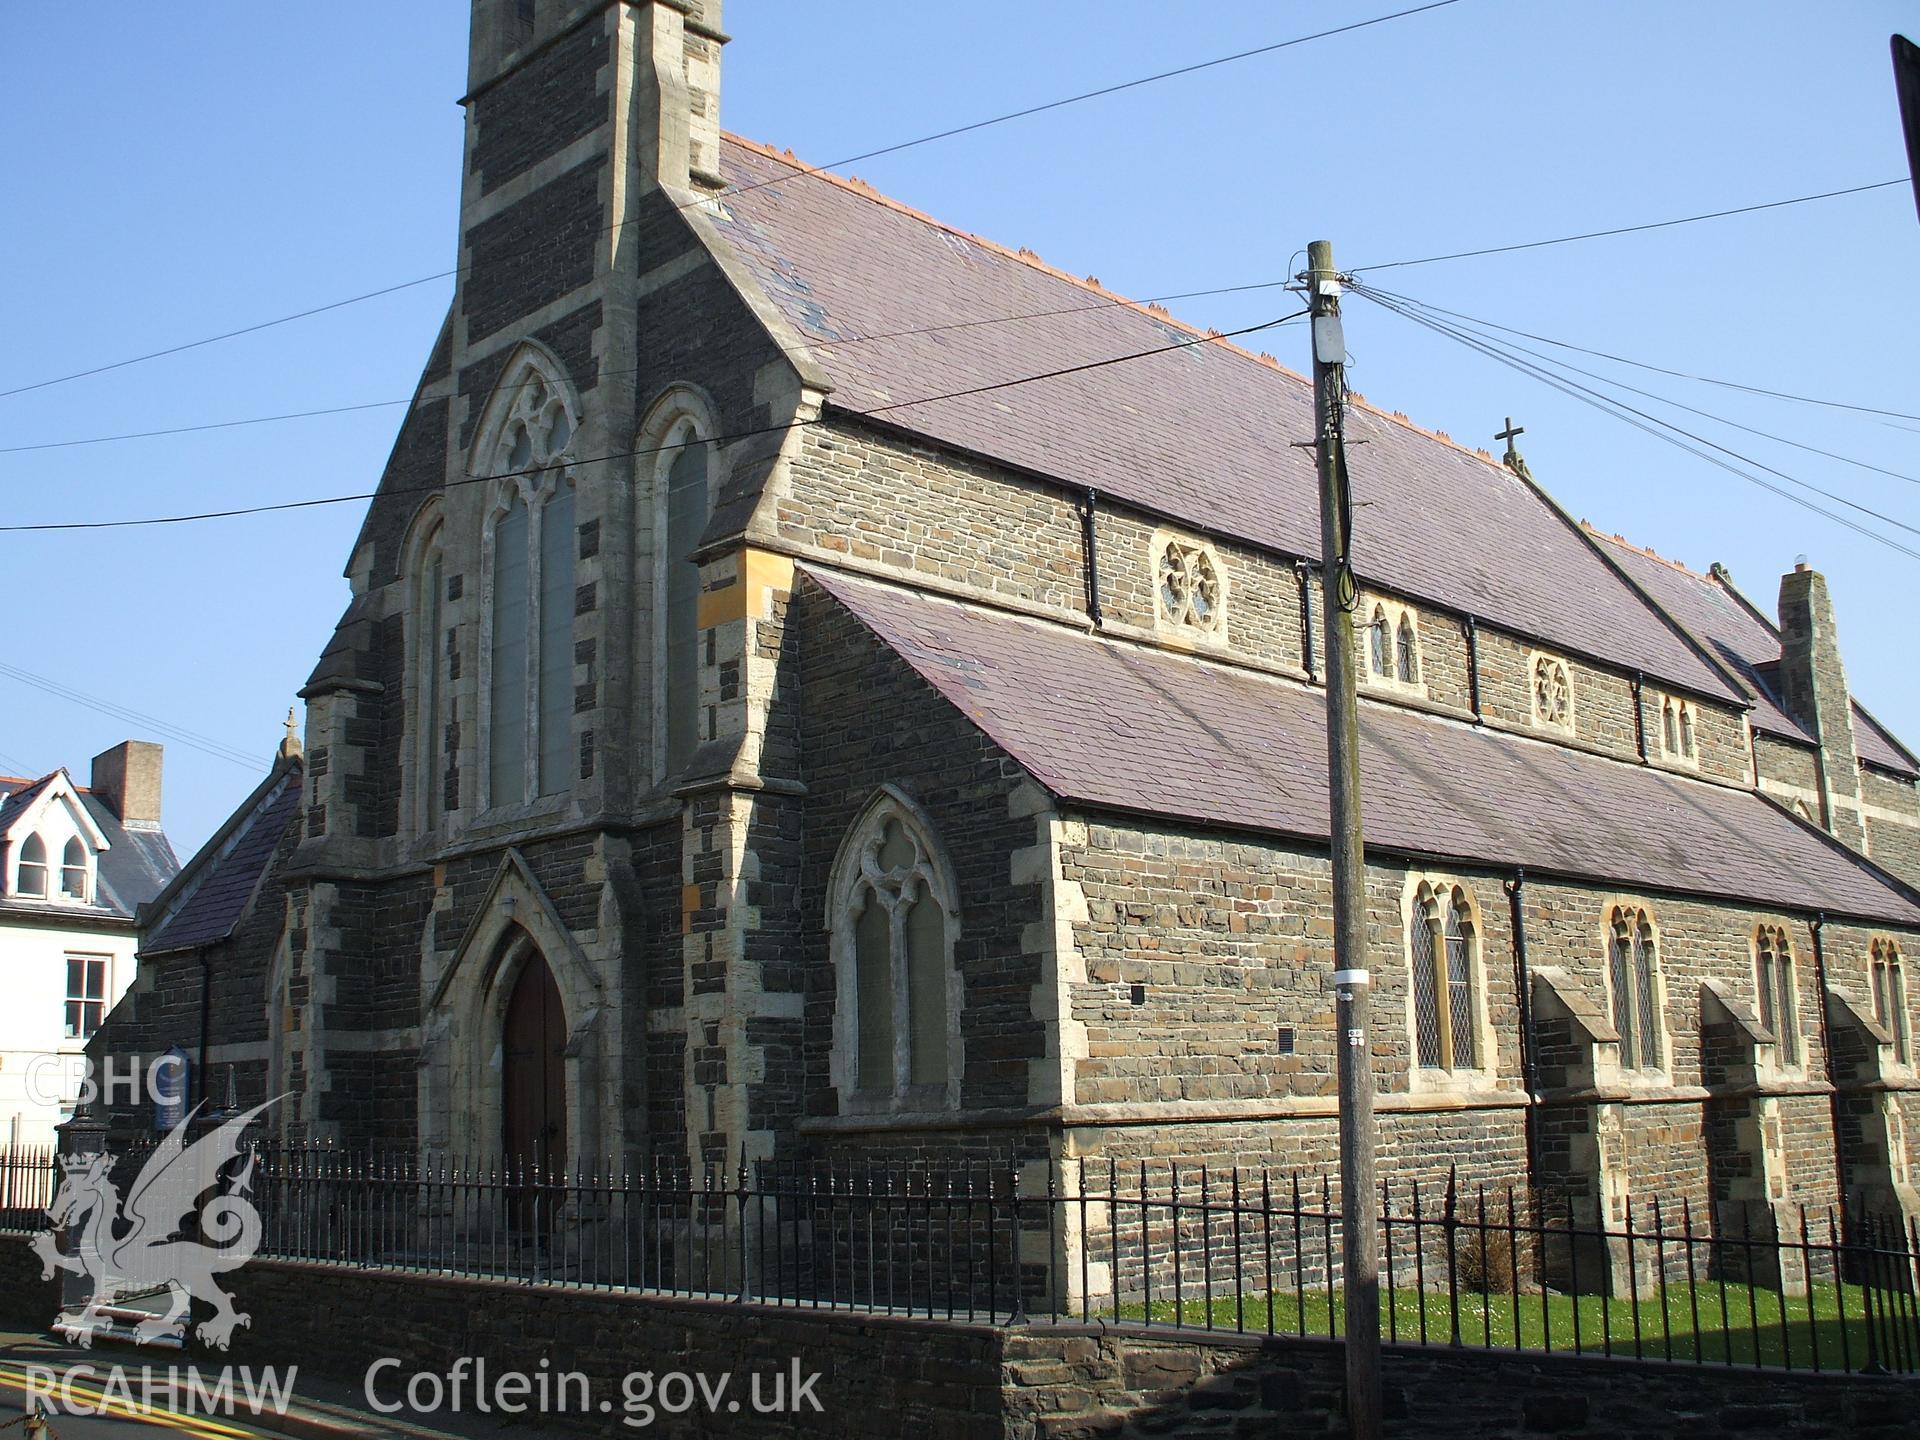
x: 1158, y: 1244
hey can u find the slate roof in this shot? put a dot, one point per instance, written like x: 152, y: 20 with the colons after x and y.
x: 1203, y: 435
x: 1746, y: 644
x: 136, y: 866
x: 1130, y: 728
x: 216, y: 886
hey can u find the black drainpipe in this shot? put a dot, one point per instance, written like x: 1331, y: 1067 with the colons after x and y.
x: 1093, y: 556
x: 1301, y: 576
x: 1639, y: 717
x: 1818, y: 926
x: 1529, y: 1048
x: 1473, y: 668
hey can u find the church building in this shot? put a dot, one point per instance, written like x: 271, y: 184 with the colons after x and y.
x: 768, y: 723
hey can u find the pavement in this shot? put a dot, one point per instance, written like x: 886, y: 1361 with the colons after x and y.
x: 114, y: 1389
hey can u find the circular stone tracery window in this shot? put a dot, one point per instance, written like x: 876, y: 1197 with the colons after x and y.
x: 1189, y: 586
x: 1552, y: 692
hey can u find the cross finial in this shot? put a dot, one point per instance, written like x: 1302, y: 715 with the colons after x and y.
x: 1508, y: 435
x: 290, y: 743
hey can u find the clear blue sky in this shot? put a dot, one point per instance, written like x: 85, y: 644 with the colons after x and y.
x: 179, y: 170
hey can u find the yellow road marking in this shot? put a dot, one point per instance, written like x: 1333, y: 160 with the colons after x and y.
x: 96, y: 1396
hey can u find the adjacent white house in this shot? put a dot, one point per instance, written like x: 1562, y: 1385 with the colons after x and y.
x: 76, y: 864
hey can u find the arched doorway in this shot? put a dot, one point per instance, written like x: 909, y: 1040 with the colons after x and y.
x: 533, y: 1079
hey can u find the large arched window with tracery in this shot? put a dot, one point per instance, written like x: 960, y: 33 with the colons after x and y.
x: 893, y: 926
x: 531, y: 546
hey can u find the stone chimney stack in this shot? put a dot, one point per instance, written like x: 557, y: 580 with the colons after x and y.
x: 1813, y: 690
x: 127, y: 780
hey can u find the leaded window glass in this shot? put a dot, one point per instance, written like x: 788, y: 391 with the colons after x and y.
x: 1440, y: 942
x: 1890, y: 996
x: 1634, y: 962
x: 1406, y: 658
x: 1380, y: 643
x: 1775, y: 990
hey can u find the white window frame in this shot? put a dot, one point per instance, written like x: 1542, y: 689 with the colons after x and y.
x: 86, y: 960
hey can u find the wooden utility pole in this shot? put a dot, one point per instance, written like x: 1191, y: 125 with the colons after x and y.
x: 1360, y: 1249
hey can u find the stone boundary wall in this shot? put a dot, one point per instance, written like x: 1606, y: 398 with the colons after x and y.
x: 937, y: 1380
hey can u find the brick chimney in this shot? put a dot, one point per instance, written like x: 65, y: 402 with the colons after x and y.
x: 1813, y: 690
x: 127, y: 780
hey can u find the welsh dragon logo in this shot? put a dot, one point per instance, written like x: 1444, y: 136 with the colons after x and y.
x: 132, y: 1246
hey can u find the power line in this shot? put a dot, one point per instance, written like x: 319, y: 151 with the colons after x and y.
x: 192, y: 739
x: 1485, y: 325
x: 799, y: 172
x: 817, y: 343
x: 1631, y: 229
x: 323, y: 500
x: 1676, y: 374
x: 1640, y: 420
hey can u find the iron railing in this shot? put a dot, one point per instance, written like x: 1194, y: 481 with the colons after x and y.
x: 1159, y: 1244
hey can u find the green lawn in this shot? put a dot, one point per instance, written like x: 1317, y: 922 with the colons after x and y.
x: 1686, y: 1322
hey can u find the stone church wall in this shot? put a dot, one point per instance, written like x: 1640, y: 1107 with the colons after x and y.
x: 972, y: 527
x: 866, y: 720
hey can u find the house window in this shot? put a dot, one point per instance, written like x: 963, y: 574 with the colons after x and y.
x: 73, y: 870
x: 1552, y: 689
x: 1634, y: 972
x: 86, y: 995
x: 1777, y: 993
x: 686, y: 458
x: 1445, y: 1002
x: 1890, y: 996
x: 33, y: 866
x: 532, y: 546
x: 894, y: 927
x: 1188, y: 583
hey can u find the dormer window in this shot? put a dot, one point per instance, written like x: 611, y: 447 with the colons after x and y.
x: 33, y: 867
x: 73, y: 870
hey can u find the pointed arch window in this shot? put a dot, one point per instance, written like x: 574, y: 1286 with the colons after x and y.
x: 32, y: 868
x: 1890, y: 996
x: 1634, y: 972
x: 1406, y: 658
x: 686, y: 499
x: 1777, y: 992
x: 1380, y: 642
x: 429, y: 668
x: 894, y: 926
x: 1446, y: 1002
x: 532, y: 549
x: 73, y: 869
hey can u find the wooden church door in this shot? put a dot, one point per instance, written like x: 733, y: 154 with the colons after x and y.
x: 533, y: 1079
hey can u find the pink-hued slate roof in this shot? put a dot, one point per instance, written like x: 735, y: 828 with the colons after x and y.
x: 1746, y: 644
x: 1204, y: 435
x: 1126, y: 727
